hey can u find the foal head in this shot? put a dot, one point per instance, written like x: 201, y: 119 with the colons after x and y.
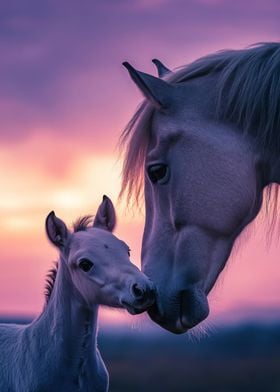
x: 98, y: 262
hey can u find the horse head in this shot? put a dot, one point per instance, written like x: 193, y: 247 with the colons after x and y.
x: 204, y: 172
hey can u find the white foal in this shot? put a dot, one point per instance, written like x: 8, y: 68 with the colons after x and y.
x: 57, y: 352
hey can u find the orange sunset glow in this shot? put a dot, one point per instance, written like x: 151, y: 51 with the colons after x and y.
x: 64, y: 103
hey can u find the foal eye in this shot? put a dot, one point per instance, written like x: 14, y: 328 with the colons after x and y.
x: 158, y: 173
x: 85, y: 265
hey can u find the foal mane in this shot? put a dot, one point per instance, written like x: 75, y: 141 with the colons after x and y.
x: 248, y: 85
x: 50, y: 279
x: 81, y: 224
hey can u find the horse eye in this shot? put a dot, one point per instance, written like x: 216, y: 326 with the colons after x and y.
x: 158, y: 173
x: 128, y: 251
x: 85, y: 265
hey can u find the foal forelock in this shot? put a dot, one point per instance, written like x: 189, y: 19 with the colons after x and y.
x: 248, y: 85
x: 81, y: 224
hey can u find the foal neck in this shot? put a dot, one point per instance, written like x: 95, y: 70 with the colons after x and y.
x: 68, y: 328
x: 67, y: 310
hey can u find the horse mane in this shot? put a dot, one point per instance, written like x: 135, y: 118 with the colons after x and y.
x: 50, y: 279
x: 81, y: 224
x: 248, y: 85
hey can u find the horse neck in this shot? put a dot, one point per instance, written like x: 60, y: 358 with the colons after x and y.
x: 67, y: 326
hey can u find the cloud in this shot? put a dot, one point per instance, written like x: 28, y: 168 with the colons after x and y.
x: 60, y: 67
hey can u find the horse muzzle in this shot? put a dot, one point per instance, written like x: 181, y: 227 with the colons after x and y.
x: 181, y: 312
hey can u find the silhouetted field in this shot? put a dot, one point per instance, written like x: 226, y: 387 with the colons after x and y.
x: 236, y: 359
x: 244, y: 358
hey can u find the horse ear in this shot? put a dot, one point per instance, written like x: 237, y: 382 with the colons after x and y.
x: 161, y: 68
x: 57, y: 231
x: 156, y: 90
x: 105, y: 217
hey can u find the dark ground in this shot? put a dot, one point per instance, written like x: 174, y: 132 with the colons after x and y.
x: 244, y: 358
x: 240, y: 359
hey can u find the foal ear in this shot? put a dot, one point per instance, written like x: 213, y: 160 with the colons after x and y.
x: 157, y: 91
x: 57, y: 231
x: 105, y: 217
x: 161, y: 68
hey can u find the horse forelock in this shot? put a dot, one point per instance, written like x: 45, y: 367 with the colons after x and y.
x: 248, y: 85
x: 135, y: 140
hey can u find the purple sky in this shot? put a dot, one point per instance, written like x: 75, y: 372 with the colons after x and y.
x: 61, y: 60
x: 64, y: 99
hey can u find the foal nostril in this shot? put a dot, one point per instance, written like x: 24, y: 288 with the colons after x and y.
x: 137, y: 291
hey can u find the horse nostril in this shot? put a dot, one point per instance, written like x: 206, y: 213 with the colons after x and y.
x: 178, y: 225
x: 137, y: 291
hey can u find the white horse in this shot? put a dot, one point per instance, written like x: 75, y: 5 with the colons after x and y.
x: 206, y: 141
x: 58, y: 351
